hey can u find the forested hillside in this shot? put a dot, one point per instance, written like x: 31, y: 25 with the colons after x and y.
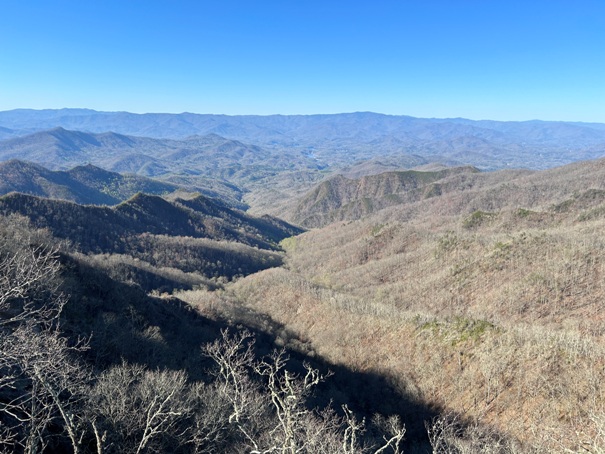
x: 157, y: 243
x: 428, y: 308
x: 90, y: 364
x: 340, y: 198
x: 484, y: 302
x: 84, y: 184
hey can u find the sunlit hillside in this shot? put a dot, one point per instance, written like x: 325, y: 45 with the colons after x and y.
x: 485, y: 301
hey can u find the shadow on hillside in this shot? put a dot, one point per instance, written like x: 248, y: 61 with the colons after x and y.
x: 125, y: 324
x: 366, y: 393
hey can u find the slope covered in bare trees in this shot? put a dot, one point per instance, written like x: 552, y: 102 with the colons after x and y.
x: 340, y: 198
x: 485, y: 302
x: 157, y: 243
x: 93, y: 365
x: 463, y: 308
x: 84, y: 184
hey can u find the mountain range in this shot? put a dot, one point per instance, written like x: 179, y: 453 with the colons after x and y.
x: 340, y: 139
x: 467, y: 302
x: 60, y: 149
x: 263, y: 163
x: 209, y: 164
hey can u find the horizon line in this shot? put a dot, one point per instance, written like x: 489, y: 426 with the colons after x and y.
x: 87, y: 109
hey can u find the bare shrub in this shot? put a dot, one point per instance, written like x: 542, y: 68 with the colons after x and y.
x: 274, y: 417
x: 449, y: 435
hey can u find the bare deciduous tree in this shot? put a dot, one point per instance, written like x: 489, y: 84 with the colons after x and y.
x: 288, y: 393
x: 140, y: 410
x: 248, y: 407
x: 41, y: 381
x: 282, y: 402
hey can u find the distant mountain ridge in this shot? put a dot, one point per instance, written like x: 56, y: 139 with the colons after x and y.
x: 211, y: 164
x: 59, y: 148
x: 349, y: 137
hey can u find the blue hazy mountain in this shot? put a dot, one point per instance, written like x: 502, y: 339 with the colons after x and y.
x: 342, y: 139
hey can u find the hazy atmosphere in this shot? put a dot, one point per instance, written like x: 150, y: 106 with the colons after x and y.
x: 302, y: 227
x: 500, y: 60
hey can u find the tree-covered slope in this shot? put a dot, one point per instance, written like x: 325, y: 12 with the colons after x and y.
x: 208, y: 239
x: 341, y: 198
x: 84, y: 184
x: 91, y: 364
x: 484, y: 300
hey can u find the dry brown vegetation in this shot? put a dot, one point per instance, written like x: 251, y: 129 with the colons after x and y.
x: 89, y: 364
x: 473, y: 316
x: 495, y: 314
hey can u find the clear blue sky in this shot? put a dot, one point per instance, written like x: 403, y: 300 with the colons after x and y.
x: 479, y: 59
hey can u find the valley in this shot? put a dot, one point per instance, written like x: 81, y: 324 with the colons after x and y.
x: 444, y: 277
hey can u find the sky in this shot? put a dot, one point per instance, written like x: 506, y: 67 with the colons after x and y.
x: 477, y: 59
